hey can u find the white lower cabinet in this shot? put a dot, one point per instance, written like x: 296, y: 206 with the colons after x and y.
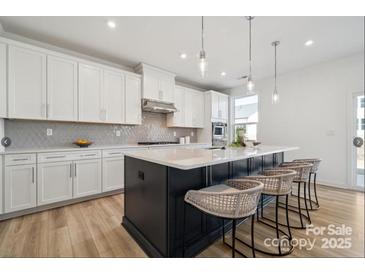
x: 113, y: 173
x: 87, y: 177
x: 54, y: 182
x: 20, y: 187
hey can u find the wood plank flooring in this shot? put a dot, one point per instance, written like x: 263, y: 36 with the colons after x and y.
x: 92, y: 229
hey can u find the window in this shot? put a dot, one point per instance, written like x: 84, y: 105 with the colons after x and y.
x: 361, y: 124
x: 362, y: 102
x: 245, y: 116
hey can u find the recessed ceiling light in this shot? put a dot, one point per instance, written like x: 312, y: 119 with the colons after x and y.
x: 111, y: 24
x: 309, y: 43
x: 223, y: 73
x: 183, y: 55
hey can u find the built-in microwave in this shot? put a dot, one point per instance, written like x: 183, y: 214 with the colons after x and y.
x: 219, y: 133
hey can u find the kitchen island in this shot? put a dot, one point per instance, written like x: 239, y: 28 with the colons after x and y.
x: 157, y: 180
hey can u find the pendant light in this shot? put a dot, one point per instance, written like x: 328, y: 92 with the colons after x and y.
x: 250, y: 84
x: 203, y: 64
x: 275, y: 94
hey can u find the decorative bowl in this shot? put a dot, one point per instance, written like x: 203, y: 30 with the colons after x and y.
x: 82, y: 143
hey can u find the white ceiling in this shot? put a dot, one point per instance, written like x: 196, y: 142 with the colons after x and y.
x: 160, y: 40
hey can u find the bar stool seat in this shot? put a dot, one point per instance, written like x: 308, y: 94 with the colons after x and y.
x: 315, y: 162
x: 302, y: 170
x: 230, y: 201
x: 277, y: 183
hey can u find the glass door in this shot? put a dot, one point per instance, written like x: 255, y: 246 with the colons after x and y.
x: 358, y: 140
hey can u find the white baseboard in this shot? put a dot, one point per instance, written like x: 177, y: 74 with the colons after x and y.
x: 347, y: 187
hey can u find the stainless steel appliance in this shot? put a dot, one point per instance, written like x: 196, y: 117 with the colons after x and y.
x: 219, y: 134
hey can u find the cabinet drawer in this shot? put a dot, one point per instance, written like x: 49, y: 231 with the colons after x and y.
x: 19, y: 159
x: 108, y: 153
x: 67, y: 156
x: 113, y: 153
x: 92, y: 154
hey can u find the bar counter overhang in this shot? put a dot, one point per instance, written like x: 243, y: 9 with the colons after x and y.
x: 155, y: 185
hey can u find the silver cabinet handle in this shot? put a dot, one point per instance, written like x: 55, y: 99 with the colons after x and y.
x: 33, y: 175
x: 115, y: 153
x: 75, y: 169
x: 70, y: 170
x: 86, y: 155
x: 55, y: 157
x: 20, y: 159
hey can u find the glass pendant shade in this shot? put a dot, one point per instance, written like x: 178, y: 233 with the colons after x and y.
x: 203, y: 63
x: 275, y: 97
x: 250, y: 86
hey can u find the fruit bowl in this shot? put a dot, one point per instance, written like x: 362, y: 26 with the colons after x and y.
x: 82, y: 143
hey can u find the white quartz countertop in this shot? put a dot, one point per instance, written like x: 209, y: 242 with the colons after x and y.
x: 95, y: 147
x: 189, y: 158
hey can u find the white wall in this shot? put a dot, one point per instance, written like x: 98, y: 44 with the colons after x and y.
x: 313, y: 113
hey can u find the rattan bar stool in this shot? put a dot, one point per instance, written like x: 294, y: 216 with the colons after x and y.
x: 315, y: 162
x: 277, y: 183
x: 303, y: 170
x: 229, y: 201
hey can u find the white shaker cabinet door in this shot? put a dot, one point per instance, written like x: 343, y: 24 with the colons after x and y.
x: 215, y: 105
x: 151, y: 86
x: 177, y: 119
x: 223, y: 107
x: 90, y: 94
x: 113, y: 173
x: 198, y: 109
x: 27, y: 83
x: 61, y: 89
x: 54, y: 182
x: 20, y: 187
x: 2, y: 80
x: 87, y: 177
x: 114, y: 96
x: 133, y: 111
x: 189, y: 96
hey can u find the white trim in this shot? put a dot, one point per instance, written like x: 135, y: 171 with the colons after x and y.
x: 351, y: 154
x: 346, y: 187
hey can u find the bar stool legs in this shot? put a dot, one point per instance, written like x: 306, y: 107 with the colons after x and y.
x: 315, y: 189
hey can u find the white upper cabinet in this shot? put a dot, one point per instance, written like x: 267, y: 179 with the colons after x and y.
x: 114, y: 96
x: 27, y: 83
x: 61, y: 89
x: 177, y: 119
x: 157, y: 84
x: 219, y: 106
x: 90, y: 94
x: 198, y: 109
x: 215, y: 105
x: 190, y: 106
x: 2, y: 80
x: 133, y: 110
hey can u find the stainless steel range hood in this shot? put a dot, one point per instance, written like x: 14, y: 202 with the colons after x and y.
x: 157, y: 106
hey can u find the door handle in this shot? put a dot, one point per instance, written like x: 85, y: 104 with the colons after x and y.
x: 75, y: 169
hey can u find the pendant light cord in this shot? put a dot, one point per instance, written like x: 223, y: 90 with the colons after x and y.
x: 203, y: 33
x: 249, y: 47
x: 275, y: 65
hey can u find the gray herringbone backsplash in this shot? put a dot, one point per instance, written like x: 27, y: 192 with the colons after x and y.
x: 32, y: 134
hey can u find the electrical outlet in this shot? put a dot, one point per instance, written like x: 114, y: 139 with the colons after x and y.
x: 49, y: 132
x: 117, y: 133
x: 174, y: 133
x: 192, y: 134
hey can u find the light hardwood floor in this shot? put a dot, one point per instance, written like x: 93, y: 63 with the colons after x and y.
x: 92, y: 229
